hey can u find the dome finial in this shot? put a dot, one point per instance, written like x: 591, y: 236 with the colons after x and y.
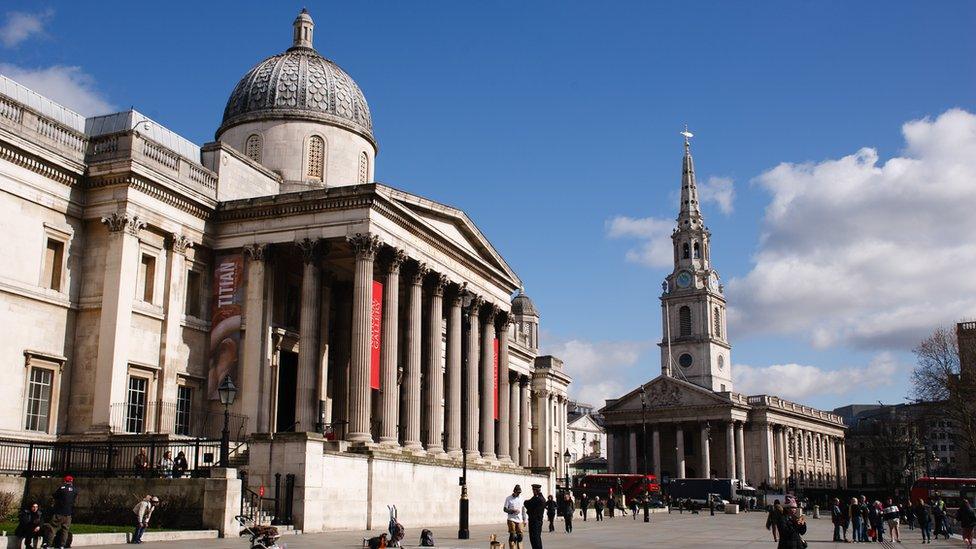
x: 303, y: 26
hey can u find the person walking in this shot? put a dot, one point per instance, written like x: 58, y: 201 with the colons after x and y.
x: 792, y: 526
x: 515, y: 517
x: 946, y: 525
x: 863, y: 509
x: 568, y: 510
x: 891, y: 515
x: 610, y: 505
x: 837, y: 518
x: 967, y: 521
x: 876, y: 520
x: 166, y: 464
x: 535, y: 507
x: 634, y: 506
x: 939, y: 519
x: 143, y: 511
x: 551, y: 513
x: 923, y: 514
x: 598, y: 507
x: 908, y: 510
x: 772, y: 519
x: 29, y: 525
x: 64, y: 508
x: 180, y: 465
x: 584, y: 505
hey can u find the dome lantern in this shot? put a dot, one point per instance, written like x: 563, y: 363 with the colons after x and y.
x: 303, y: 30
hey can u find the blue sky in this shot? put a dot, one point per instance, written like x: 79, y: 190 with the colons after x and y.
x: 548, y: 121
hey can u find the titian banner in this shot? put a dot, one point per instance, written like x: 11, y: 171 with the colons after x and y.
x: 494, y: 392
x: 225, y: 330
x: 375, y: 335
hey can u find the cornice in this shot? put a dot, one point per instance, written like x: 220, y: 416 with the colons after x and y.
x: 275, y: 209
x: 39, y: 166
x: 155, y: 190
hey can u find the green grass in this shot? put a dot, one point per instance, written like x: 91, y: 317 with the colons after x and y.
x: 77, y: 528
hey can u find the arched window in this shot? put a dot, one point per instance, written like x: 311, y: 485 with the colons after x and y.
x: 684, y: 321
x: 363, y: 168
x: 252, y: 148
x: 684, y: 251
x: 718, y: 322
x: 316, y: 157
x: 697, y: 251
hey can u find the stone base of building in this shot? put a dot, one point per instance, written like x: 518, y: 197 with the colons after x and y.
x: 340, y: 487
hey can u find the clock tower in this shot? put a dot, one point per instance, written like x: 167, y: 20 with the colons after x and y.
x: 695, y: 344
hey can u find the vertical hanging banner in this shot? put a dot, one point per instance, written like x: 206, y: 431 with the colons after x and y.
x: 225, y: 321
x: 494, y: 392
x: 375, y: 335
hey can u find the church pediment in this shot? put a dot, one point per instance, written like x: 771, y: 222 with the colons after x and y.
x: 666, y: 392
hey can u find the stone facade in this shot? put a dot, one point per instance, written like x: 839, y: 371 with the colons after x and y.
x: 149, y: 268
x: 688, y: 422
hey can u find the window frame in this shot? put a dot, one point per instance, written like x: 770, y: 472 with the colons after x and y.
x: 146, y: 250
x: 63, y: 237
x: 254, y: 137
x: 47, y: 361
x: 323, y: 158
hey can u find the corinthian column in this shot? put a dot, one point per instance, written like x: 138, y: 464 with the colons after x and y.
x: 411, y: 437
x: 679, y: 450
x: 488, y: 385
x: 365, y: 246
x: 504, y: 411
x: 706, y: 454
x: 525, y: 427
x: 471, y: 394
x: 308, y: 348
x: 454, y: 373
x: 254, y: 401
x: 730, y: 449
x: 389, y: 391
x: 513, y: 425
x: 740, y: 452
x: 435, y: 367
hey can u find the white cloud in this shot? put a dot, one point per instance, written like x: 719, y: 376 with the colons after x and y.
x: 798, y: 381
x: 68, y: 85
x: 20, y: 26
x: 655, y: 249
x: 720, y: 191
x: 864, y: 253
x: 598, y: 368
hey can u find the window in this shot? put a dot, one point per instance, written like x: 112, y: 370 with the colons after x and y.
x: 135, y: 405
x: 684, y: 251
x: 697, y: 251
x: 686, y: 360
x: 363, y: 168
x: 721, y: 362
x: 38, y: 400
x: 184, y: 401
x: 252, y: 148
x: 192, y: 305
x: 316, y: 157
x: 147, y: 278
x: 53, y: 264
x: 718, y: 322
x: 723, y: 387
x: 684, y: 321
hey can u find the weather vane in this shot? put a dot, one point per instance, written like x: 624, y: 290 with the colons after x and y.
x: 688, y: 135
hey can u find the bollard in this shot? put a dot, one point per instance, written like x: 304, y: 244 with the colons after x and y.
x: 816, y: 511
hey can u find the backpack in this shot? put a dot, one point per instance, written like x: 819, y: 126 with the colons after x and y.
x: 426, y: 538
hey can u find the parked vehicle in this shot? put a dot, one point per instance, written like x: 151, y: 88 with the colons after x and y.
x: 703, y: 490
x: 631, y: 486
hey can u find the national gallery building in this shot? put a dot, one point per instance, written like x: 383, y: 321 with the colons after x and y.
x: 378, y: 333
x: 696, y: 424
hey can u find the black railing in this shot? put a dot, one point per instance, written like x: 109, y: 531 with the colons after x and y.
x: 111, y: 458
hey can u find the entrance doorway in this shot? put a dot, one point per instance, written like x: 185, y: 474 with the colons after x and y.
x: 287, y: 381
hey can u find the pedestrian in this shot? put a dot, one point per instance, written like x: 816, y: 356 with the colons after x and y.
x: 837, y: 518
x: 792, y: 526
x: 535, y: 508
x: 946, y: 525
x: 143, y: 511
x: 939, y: 520
x: 862, y: 509
x: 772, y: 519
x: 551, y: 513
x: 180, y: 465
x: 29, y: 526
x: 584, y: 505
x: 908, y: 510
x: 846, y: 518
x: 166, y: 465
x: 923, y: 514
x: 610, y: 505
x: 967, y: 521
x: 141, y: 462
x: 64, y: 507
x: 876, y: 519
x: 568, y: 511
x: 598, y: 507
x: 634, y: 506
x: 515, y: 517
x: 891, y: 515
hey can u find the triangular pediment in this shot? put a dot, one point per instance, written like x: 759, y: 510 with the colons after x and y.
x: 666, y: 392
x: 584, y: 423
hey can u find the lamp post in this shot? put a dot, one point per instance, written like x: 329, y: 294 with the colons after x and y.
x: 643, y: 394
x: 227, y: 392
x: 463, y: 531
x: 566, y: 457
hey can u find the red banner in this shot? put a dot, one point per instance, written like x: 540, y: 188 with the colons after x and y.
x: 376, y: 335
x: 494, y: 392
x: 225, y: 321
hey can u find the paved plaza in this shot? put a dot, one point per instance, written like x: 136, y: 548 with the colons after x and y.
x: 672, y: 531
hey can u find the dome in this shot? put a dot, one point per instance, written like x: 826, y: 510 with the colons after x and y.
x: 299, y: 84
x: 522, y: 305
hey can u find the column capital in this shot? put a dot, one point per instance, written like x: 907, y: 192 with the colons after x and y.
x: 365, y: 245
x: 312, y: 249
x: 419, y: 271
x: 438, y: 282
x: 503, y: 320
x: 491, y: 311
x: 178, y: 243
x: 523, y: 381
x: 392, y: 258
x: 474, y: 310
x: 124, y: 221
x: 257, y: 252
x: 457, y: 293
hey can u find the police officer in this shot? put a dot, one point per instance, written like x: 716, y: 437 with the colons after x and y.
x: 535, y: 507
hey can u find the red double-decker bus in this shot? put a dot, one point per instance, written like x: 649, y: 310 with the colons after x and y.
x: 604, y: 484
x: 951, y: 490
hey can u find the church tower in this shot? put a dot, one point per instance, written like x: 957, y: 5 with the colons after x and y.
x: 695, y: 344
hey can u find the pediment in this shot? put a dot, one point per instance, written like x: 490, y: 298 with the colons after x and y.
x: 667, y: 392
x: 585, y: 423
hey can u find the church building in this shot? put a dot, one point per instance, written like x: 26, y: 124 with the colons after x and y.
x: 696, y: 424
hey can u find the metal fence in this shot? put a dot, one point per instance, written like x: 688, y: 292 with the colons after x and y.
x: 110, y: 458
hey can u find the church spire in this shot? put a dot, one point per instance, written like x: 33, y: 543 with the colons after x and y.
x: 689, y: 212
x: 303, y: 26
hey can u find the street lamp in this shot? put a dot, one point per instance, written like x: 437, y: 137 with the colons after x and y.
x: 643, y: 393
x: 464, y: 531
x: 566, y: 458
x: 227, y: 392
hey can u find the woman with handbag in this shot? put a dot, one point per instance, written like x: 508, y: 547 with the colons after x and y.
x: 792, y: 526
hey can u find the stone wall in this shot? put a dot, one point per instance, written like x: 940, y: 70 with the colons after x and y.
x: 341, y: 490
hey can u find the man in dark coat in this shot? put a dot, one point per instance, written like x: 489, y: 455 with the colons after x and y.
x: 584, y: 505
x: 535, y: 507
x: 551, y: 513
x: 29, y: 526
x: 64, y: 507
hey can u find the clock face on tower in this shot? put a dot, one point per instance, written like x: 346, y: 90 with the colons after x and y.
x: 684, y: 279
x: 713, y: 281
